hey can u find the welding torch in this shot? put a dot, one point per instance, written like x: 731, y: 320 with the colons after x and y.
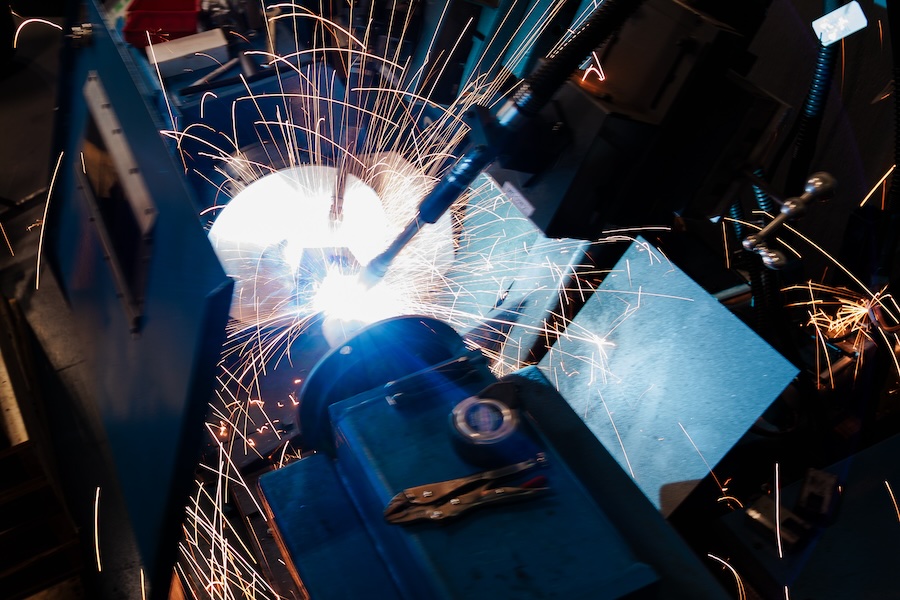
x: 530, y: 97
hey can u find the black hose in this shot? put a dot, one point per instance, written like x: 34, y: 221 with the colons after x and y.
x: 810, y: 120
x: 763, y: 201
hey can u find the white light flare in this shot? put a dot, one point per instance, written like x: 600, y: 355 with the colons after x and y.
x: 341, y: 295
x: 292, y: 257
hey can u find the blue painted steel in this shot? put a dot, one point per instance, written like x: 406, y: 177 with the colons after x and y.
x: 397, y: 435
x: 318, y: 527
x: 557, y: 545
x: 151, y: 388
x: 377, y: 355
x: 653, y: 541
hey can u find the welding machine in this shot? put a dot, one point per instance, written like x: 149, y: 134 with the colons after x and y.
x: 431, y: 479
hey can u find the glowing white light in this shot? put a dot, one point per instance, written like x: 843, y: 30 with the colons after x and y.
x: 342, y: 296
x: 290, y: 258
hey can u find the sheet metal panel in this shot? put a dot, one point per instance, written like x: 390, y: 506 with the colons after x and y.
x: 665, y: 376
x: 152, y: 376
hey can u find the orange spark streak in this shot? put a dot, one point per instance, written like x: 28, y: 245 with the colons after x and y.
x: 37, y: 271
x: 8, y: 244
x: 618, y: 437
x: 725, y: 246
x: 778, y: 512
x: 601, y: 76
x: 97, y: 528
x: 880, y: 181
x: 893, y: 499
x: 709, y: 468
x: 162, y: 84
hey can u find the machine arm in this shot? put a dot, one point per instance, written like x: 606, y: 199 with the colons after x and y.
x: 529, y: 99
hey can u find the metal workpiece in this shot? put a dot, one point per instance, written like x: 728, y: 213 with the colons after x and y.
x: 446, y: 548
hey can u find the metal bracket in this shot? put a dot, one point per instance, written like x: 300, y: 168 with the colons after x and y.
x: 121, y: 209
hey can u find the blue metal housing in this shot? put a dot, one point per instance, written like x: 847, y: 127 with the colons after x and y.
x: 328, y: 514
x: 153, y: 330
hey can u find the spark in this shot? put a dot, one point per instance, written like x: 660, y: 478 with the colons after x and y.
x: 162, y: 84
x: 873, y: 295
x: 742, y: 593
x: 893, y: 499
x: 97, y: 529
x: 6, y: 239
x: 725, y: 246
x: 725, y: 497
x: 37, y: 271
x: 28, y: 22
x: 757, y: 227
x: 618, y: 437
x: 143, y: 586
x: 877, y: 185
x: 209, y: 56
x: 778, y: 511
x: 212, y: 555
x: 206, y: 94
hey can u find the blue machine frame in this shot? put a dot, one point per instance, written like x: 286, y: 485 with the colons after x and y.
x: 148, y: 294
x: 593, y: 535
